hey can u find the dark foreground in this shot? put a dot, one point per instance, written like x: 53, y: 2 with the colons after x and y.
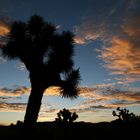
x: 75, y: 131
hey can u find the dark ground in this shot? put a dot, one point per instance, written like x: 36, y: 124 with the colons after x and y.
x: 74, y: 131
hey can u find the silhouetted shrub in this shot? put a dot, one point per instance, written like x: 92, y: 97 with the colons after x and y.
x: 66, y: 116
x: 19, y: 123
x: 11, y: 124
x: 124, y: 115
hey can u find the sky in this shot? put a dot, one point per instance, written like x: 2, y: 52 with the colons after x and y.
x: 107, y: 51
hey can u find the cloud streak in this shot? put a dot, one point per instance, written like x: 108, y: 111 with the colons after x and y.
x: 97, y: 97
x: 17, y: 92
x: 122, y: 57
x: 119, y: 36
x: 14, y: 107
x: 88, y: 31
x: 106, y: 97
x: 4, y: 30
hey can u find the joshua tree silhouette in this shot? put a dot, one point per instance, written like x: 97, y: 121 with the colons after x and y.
x: 66, y: 116
x: 124, y: 115
x: 47, y: 56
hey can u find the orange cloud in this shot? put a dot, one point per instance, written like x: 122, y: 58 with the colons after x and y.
x: 98, y: 92
x: 97, y: 97
x: 123, y: 56
x: 79, y: 40
x: 107, y: 96
x: 4, y: 92
x: 4, y: 29
x: 132, y: 27
x: 88, y: 31
x: 120, y: 37
x: 18, y: 91
x: 14, y: 107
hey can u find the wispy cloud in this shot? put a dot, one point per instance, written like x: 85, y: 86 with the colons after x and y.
x: 107, y: 97
x: 16, y: 92
x: 21, y: 66
x: 4, y: 30
x: 2, y: 60
x: 122, y: 57
x: 94, y: 98
x: 88, y: 31
x: 119, y: 36
x: 97, y: 93
x: 14, y: 107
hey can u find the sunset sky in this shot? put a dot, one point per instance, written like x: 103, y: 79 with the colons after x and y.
x: 107, y: 51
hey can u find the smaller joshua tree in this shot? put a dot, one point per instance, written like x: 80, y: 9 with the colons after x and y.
x: 125, y: 115
x: 66, y: 116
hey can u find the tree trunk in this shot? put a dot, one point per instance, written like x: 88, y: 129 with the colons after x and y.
x: 33, y: 106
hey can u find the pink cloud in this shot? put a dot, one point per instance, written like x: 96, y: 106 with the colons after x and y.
x: 88, y: 31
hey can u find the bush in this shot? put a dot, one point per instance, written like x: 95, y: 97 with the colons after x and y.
x: 66, y: 116
x: 124, y: 115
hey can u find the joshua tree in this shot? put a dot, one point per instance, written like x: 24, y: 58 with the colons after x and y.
x: 47, y: 56
x: 73, y: 117
x: 66, y: 116
x: 124, y: 114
